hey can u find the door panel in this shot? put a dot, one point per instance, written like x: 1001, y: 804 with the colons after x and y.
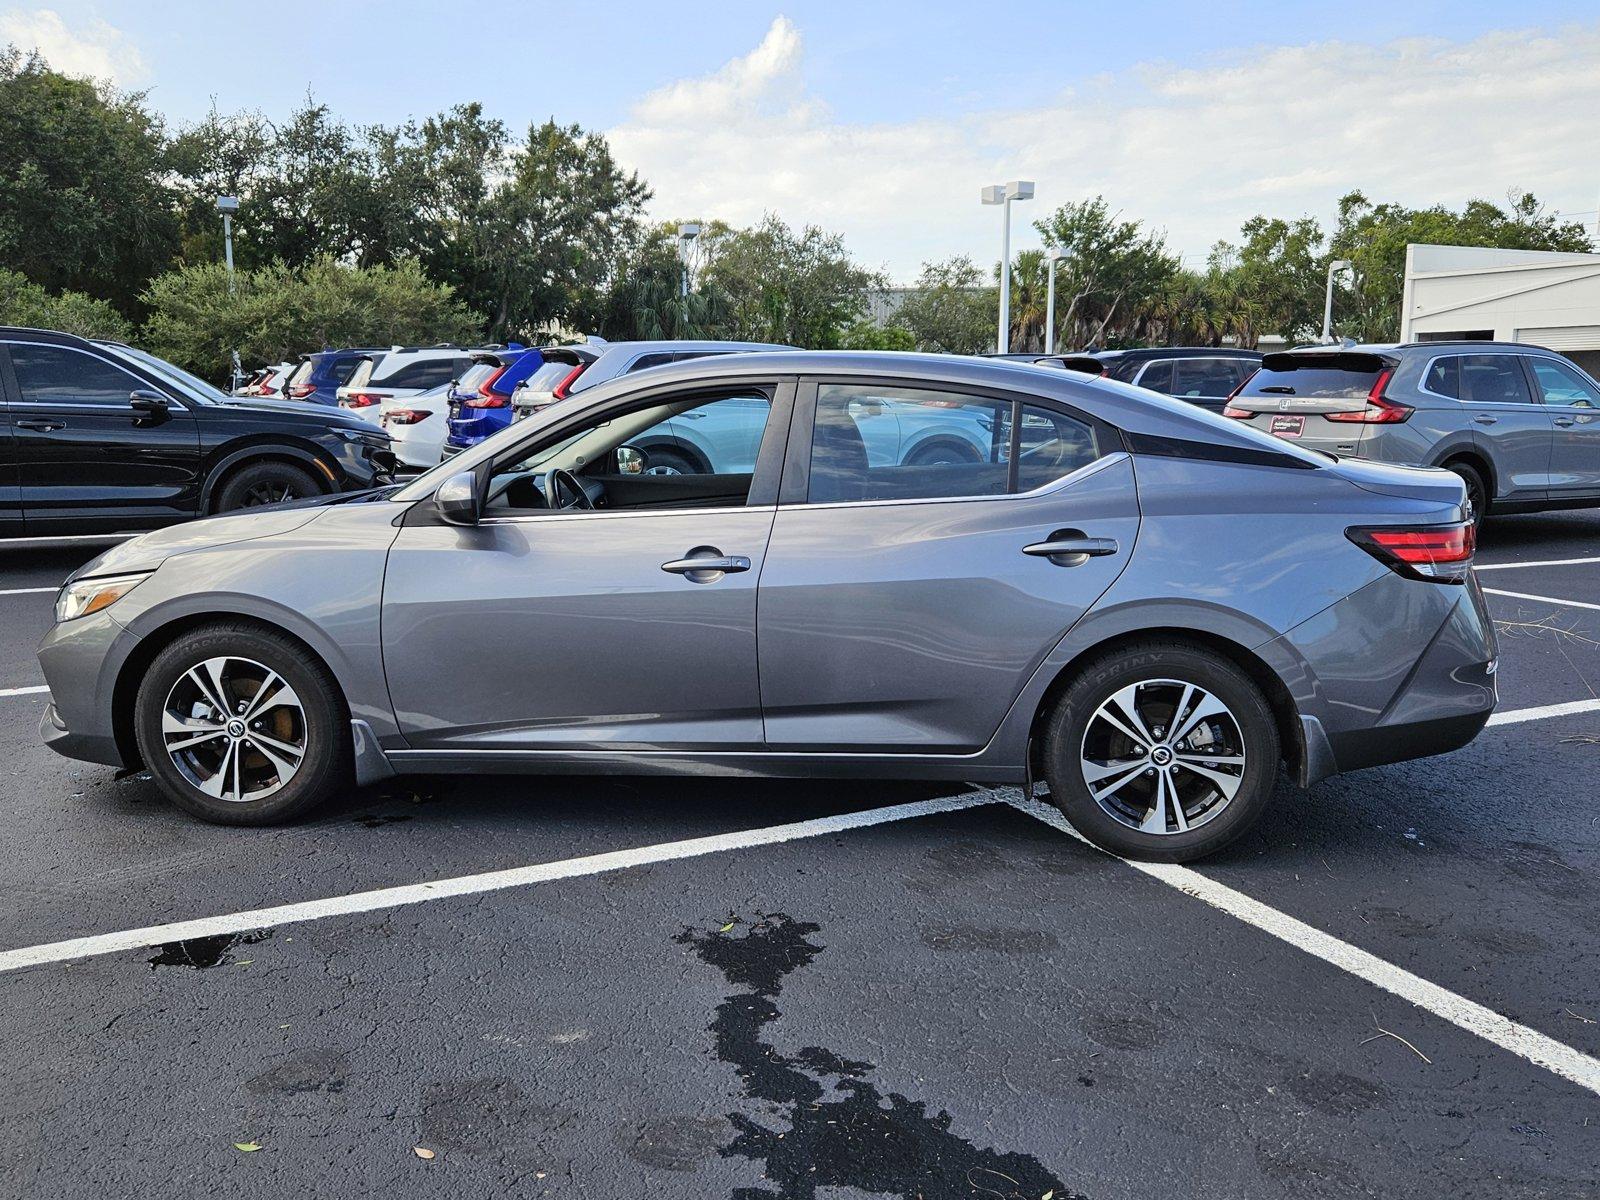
x: 1505, y: 420
x: 912, y: 626
x: 83, y: 463
x: 1573, y: 402
x: 564, y: 632
x: 10, y: 488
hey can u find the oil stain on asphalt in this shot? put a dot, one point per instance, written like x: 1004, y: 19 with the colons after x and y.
x: 848, y: 1135
x: 202, y: 952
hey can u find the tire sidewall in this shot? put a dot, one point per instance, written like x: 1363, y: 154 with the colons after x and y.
x: 1107, y: 675
x: 1475, y: 482
x: 327, y: 758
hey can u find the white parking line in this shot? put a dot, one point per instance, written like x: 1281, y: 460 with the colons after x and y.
x: 26, y: 591
x: 1543, y: 712
x: 1525, y: 1043
x: 24, y: 691
x: 469, y: 885
x: 1548, y: 562
x: 1559, y: 603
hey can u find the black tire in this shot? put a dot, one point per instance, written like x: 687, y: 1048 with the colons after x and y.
x: 1102, y: 678
x: 941, y: 454
x: 323, y: 725
x: 261, y: 483
x: 1477, y: 490
x: 663, y: 460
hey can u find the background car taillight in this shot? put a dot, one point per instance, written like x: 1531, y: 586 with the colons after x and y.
x: 561, y: 390
x: 487, y: 402
x: 1437, y: 553
x: 301, y: 390
x: 1380, y: 410
x: 406, y: 416
x: 364, y: 399
x: 1238, y: 414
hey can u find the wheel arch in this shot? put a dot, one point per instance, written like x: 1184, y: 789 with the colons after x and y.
x: 678, y: 445
x: 1285, y: 711
x: 125, y: 689
x: 918, y: 444
x: 237, y: 457
x: 1475, y: 458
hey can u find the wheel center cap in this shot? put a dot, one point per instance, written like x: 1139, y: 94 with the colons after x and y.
x: 1161, y: 756
x: 236, y: 729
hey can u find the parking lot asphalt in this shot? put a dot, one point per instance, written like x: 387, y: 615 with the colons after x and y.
x: 965, y: 1003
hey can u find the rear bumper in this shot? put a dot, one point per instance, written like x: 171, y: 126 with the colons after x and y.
x: 1355, y: 749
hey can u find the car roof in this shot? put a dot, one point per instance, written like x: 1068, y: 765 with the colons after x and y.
x: 28, y: 332
x: 1168, y: 352
x: 669, y: 344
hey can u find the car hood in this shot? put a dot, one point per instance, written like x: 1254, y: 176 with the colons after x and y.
x: 322, y: 414
x: 149, y: 550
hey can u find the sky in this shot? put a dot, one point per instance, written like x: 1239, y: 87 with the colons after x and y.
x: 883, y: 121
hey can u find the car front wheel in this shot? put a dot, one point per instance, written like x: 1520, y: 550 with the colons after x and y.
x: 1162, y: 751
x: 242, y: 726
x: 265, y: 483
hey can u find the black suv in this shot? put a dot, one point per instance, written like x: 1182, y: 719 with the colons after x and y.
x: 1203, y: 375
x: 100, y: 438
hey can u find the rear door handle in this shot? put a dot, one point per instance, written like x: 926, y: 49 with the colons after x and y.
x: 1485, y: 419
x: 1070, y: 551
x: 40, y: 424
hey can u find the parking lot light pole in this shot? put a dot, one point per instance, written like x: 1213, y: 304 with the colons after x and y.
x: 227, y: 206
x: 1337, y: 265
x: 687, y: 233
x: 1003, y: 195
x: 1055, y: 256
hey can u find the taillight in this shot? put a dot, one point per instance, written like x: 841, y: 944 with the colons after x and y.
x: 560, y: 391
x: 301, y: 390
x: 1238, y: 414
x: 487, y: 402
x: 1437, y: 553
x: 406, y: 416
x: 1380, y: 410
x: 364, y: 399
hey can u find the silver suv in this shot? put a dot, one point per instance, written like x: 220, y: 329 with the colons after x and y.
x: 1518, y: 423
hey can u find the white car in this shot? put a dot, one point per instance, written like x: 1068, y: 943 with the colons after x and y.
x: 418, y: 427
x: 391, y: 377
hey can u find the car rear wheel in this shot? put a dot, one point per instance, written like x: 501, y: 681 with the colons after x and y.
x: 659, y: 460
x: 942, y: 454
x: 242, y: 726
x: 265, y: 483
x: 1477, y: 490
x: 1162, y: 751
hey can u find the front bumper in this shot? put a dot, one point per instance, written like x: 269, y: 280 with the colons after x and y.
x: 81, y: 660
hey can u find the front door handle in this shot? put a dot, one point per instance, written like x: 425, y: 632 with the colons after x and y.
x: 1486, y: 419
x: 706, y: 564
x: 1566, y: 421
x: 1071, y: 549
x: 40, y: 424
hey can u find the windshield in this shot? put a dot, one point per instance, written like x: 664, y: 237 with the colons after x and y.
x: 192, y: 386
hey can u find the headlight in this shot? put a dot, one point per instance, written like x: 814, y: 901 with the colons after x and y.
x: 85, y: 596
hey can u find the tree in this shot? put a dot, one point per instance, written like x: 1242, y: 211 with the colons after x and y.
x: 646, y: 301
x: 276, y: 312
x: 25, y: 303
x: 864, y: 335
x: 1273, y: 279
x: 84, y: 205
x: 951, y: 310
x: 1111, y: 270
x: 1030, y: 281
x: 801, y: 289
x: 1374, y: 237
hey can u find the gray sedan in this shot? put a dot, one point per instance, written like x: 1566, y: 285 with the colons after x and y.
x: 1151, y: 608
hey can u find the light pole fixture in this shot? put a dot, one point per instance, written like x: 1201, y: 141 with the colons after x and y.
x: 1003, y: 195
x: 1337, y: 265
x: 227, y: 206
x: 1055, y: 256
x: 687, y: 233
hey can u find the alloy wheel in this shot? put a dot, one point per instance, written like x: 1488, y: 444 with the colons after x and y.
x: 1163, y: 756
x: 267, y: 492
x: 234, y: 728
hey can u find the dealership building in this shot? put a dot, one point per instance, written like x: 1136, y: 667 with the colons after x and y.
x: 1548, y: 299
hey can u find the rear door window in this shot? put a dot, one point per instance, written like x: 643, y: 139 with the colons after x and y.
x: 890, y: 443
x: 1157, y: 376
x: 1562, y: 385
x: 1492, y: 379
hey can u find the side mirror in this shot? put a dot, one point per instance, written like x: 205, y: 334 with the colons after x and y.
x: 149, y: 408
x: 630, y: 460
x: 457, y: 499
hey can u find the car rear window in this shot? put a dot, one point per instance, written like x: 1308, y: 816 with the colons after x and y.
x: 1322, y: 383
x: 547, y: 376
x: 353, y: 372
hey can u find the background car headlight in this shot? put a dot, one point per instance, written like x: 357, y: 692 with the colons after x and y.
x: 84, y: 596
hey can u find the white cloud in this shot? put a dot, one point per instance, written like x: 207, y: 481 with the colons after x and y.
x: 1193, y: 149
x: 90, y: 47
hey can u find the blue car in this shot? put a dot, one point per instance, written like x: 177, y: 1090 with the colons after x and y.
x: 319, y: 376
x: 480, y: 402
